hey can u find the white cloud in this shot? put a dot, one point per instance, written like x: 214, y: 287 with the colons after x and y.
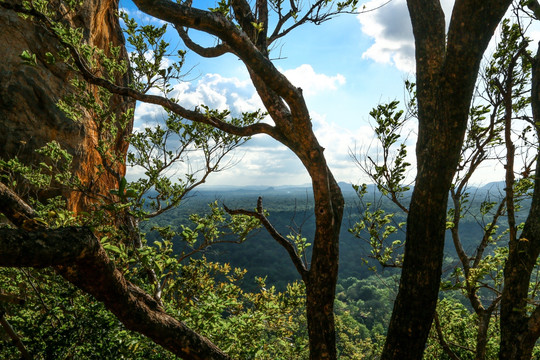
x: 391, y: 30
x: 340, y: 142
x: 312, y: 83
x: 218, y: 92
x: 262, y: 160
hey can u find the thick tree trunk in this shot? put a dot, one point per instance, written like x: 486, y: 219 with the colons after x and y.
x: 446, y: 70
x: 419, y: 285
x: 320, y: 320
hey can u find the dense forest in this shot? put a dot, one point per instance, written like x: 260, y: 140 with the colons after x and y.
x: 290, y: 208
x: 95, y: 263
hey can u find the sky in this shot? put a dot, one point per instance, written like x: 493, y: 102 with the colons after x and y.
x: 346, y: 66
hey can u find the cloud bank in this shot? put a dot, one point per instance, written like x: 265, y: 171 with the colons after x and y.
x: 261, y: 160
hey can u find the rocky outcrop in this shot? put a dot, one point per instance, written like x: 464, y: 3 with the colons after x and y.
x: 29, y: 116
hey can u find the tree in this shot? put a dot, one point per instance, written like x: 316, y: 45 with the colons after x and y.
x: 499, y: 128
x: 503, y: 103
x: 447, y: 65
x: 243, y: 31
x: 519, y: 318
x: 32, y: 121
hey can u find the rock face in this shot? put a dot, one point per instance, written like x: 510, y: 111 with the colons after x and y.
x: 29, y: 117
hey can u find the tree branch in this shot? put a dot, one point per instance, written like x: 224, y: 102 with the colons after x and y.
x: 442, y: 340
x: 17, y: 211
x: 211, y: 52
x: 193, y: 115
x: 313, y: 15
x: 218, y: 25
x: 77, y: 255
x: 534, y: 6
x: 45, y: 247
x: 13, y: 335
x: 259, y: 214
x: 245, y: 17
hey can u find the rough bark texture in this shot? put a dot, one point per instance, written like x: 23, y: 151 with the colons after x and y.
x: 446, y: 71
x: 519, y: 330
x: 29, y: 116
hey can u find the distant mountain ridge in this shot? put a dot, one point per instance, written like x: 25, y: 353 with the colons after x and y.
x: 346, y: 188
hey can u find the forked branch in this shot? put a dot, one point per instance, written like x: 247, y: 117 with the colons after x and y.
x: 291, y: 250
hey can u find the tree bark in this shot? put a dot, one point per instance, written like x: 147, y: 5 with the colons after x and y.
x: 29, y: 97
x: 446, y: 71
x: 322, y: 277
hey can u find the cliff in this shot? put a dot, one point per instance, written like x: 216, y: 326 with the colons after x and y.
x: 29, y: 116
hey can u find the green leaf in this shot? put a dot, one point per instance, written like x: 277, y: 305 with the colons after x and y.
x: 28, y: 58
x: 112, y: 248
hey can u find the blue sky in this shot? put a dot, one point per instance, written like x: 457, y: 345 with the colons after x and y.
x: 345, y: 66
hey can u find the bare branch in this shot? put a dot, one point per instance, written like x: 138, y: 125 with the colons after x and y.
x: 313, y: 15
x: 211, y: 52
x: 259, y: 214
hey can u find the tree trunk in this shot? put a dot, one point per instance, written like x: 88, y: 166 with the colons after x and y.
x: 446, y: 71
x: 322, y: 277
x: 481, y: 337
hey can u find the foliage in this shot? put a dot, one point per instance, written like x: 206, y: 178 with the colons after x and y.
x: 380, y: 229
x: 58, y: 321
x: 459, y: 329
